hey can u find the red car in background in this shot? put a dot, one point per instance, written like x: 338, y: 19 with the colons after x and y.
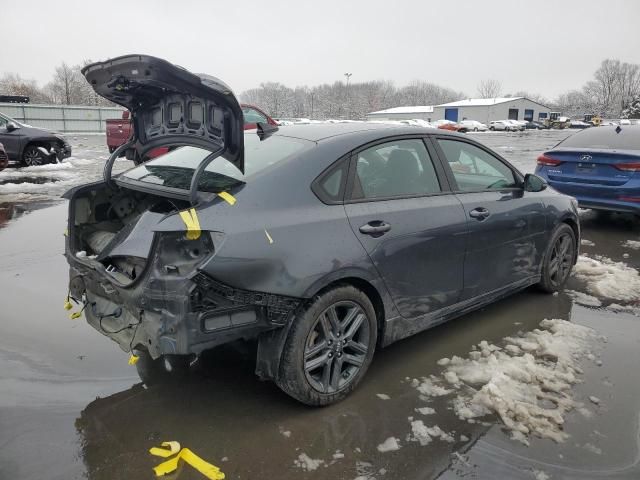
x: 119, y: 130
x: 4, y: 159
x: 451, y: 126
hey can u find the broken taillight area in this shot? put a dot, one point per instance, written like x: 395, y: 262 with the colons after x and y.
x: 143, y: 287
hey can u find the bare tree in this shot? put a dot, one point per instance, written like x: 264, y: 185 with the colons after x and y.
x: 489, y: 88
x: 14, y: 84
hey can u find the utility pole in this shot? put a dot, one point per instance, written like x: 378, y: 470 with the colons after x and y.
x: 348, y: 76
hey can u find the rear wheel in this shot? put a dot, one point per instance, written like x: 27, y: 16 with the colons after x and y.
x: 558, y: 259
x: 329, y: 347
x: 33, y: 156
x: 492, y: 128
x: 475, y: 129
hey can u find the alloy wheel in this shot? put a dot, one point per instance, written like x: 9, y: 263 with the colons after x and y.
x: 561, y: 259
x: 336, y: 347
x: 32, y: 157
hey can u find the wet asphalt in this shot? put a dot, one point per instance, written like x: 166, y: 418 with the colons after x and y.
x: 71, y: 407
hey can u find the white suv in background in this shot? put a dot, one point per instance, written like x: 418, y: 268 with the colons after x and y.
x: 474, y: 126
x: 500, y: 125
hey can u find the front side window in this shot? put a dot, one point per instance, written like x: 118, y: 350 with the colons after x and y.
x: 394, y: 169
x: 474, y: 169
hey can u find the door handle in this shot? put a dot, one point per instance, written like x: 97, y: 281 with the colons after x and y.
x: 375, y: 228
x: 479, y: 213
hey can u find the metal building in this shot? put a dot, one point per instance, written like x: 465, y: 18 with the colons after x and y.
x: 483, y: 110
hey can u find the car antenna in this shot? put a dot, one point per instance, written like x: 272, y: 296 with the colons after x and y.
x: 265, y: 130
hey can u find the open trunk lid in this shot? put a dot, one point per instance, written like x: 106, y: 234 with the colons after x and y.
x: 171, y: 106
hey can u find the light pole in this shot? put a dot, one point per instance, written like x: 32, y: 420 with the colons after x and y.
x: 348, y: 76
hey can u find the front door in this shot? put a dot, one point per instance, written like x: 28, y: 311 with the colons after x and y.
x: 505, y: 238
x: 10, y: 140
x: 412, y: 227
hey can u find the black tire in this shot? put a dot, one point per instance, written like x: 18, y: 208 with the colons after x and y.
x: 161, y: 370
x: 112, y: 149
x: 32, y: 156
x: 318, y: 366
x: 558, y: 259
x: 475, y: 129
x: 492, y: 128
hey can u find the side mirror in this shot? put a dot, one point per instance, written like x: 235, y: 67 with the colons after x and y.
x: 534, y: 183
x: 11, y: 126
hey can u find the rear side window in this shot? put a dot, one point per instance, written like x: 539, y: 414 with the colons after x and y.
x: 474, y: 169
x: 253, y: 116
x: 628, y: 138
x: 395, y: 169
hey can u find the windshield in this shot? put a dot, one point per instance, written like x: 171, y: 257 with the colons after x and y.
x: 175, y: 169
x: 605, y: 137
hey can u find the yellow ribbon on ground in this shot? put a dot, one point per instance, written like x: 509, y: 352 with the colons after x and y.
x: 173, y: 448
x: 190, y: 219
x: 227, y: 197
x: 210, y: 471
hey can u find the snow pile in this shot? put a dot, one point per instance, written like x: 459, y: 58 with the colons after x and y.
x: 584, y: 299
x: 424, y: 435
x: 307, y: 463
x: 428, y: 388
x: 587, y: 243
x: 527, y: 382
x: 635, y: 244
x: 425, y: 411
x: 606, y: 278
x: 383, y: 396
x: 391, y: 444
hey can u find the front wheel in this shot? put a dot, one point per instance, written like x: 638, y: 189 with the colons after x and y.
x: 33, y: 156
x: 329, y: 347
x: 558, y: 259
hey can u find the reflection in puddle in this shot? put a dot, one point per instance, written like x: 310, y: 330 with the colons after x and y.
x: 36, y: 180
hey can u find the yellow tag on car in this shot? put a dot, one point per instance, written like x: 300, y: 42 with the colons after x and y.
x: 190, y: 219
x: 227, y: 197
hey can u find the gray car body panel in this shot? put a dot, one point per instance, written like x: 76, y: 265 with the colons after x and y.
x: 279, y: 238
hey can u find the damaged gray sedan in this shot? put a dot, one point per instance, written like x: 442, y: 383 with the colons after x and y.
x: 323, y: 242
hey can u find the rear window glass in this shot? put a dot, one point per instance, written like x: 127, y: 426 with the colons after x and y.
x: 605, y: 137
x: 175, y: 169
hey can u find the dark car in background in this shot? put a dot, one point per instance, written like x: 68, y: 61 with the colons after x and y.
x: 598, y: 166
x: 322, y: 242
x: 533, y: 125
x: 31, y: 146
x: 4, y: 159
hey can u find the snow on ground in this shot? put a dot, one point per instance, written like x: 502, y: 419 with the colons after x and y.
x: 383, y: 396
x: 391, y: 444
x: 609, y: 279
x: 307, y: 463
x: 540, y: 475
x: 635, y: 244
x: 584, y: 298
x: 526, y: 382
x: 587, y: 243
x: 425, y: 411
x: 424, y: 435
x: 427, y: 387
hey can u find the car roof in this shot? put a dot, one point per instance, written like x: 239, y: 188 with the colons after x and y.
x: 322, y: 131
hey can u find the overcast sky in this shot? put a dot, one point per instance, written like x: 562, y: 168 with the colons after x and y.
x: 541, y: 46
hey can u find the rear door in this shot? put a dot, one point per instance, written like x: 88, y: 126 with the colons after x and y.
x: 506, y: 226
x: 401, y: 209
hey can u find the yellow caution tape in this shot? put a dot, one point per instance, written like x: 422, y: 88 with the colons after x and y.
x: 210, y: 471
x: 173, y: 448
x: 133, y: 359
x: 75, y: 315
x: 226, y: 196
x: 268, y: 236
x: 190, y: 219
x: 67, y: 304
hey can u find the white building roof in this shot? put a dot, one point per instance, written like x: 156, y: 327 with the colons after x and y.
x: 479, y: 102
x: 416, y: 109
